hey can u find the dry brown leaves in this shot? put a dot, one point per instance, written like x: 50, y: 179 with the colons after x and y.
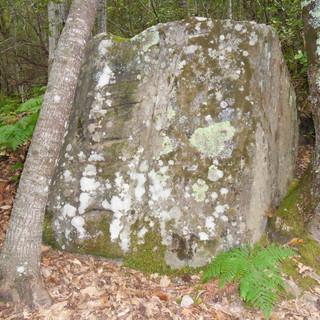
x: 8, y: 186
x: 85, y: 287
x: 304, y: 158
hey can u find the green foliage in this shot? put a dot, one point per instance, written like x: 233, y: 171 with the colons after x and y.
x: 17, y: 122
x: 255, y: 268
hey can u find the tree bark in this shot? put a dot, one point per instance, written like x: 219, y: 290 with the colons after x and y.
x: 311, y: 14
x: 20, y: 257
x: 102, y: 16
x: 230, y: 13
x: 184, y: 5
x: 57, y: 16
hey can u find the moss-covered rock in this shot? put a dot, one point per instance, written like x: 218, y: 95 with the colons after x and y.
x: 179, y: 140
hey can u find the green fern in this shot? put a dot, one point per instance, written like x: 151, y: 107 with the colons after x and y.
x: 14, y: 133
x: 256, y: 270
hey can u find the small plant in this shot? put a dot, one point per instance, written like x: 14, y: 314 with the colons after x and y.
x: 17, y: 123
x: 256, y: 270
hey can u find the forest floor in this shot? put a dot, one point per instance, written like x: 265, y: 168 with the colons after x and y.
x: 88, y: 288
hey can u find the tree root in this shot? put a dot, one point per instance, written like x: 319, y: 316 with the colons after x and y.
x: 29, y: 291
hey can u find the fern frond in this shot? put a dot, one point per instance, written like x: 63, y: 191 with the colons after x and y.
x: 271, y: 256
x: 32, y: 105
x: 256, y: 270
x: 231, y: 265
x: 13, y: 136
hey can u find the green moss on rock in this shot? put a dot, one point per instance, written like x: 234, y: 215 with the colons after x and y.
x: 149, y: 256
x: 290, y: 221
x: 101, y: 244
x: 48, y: 234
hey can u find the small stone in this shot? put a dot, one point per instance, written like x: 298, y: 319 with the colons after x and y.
x: 186, y: 301
x: 292, y: 288
x: 165, y: 281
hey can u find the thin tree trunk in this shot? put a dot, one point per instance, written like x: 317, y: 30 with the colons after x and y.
x: 20, y: 257
x: 311, y: 13
x: 230, y: 14
x: 184, y: 5
x: 57, y: 16
x: 102, y: 16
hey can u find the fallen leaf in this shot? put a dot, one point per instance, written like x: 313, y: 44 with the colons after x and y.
x: 45, y: 248
x: 92, y: 291
x: 5, y: 207
x: 162, y: 295
x: 47, y: 261
x: 268, y: 214
x: 295, y: 241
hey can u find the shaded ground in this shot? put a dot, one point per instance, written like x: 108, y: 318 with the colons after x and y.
x: 89, y: 288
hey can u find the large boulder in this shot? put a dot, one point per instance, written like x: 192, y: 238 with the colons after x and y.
x: 180, y: 140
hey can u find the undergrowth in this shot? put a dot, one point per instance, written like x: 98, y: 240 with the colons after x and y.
x: 256, y: 270
x: 18, y: 121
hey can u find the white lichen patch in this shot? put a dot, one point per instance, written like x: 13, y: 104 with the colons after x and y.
x: 57, y: 98
x: 223, y: 104
x: 245, y: 53
x: 142, y: 232
x: 201, y: 18
x: 238, y: 26
x: 218, y: 95
x: 78, y: 222
x: 190, y: 49
x: 212, y: 140
x: 253, y: 38
x: 199, y: 190
x: 158, y: 187
x: 67, y: 176
x: 203, y: 236
x: 210, y: 225
x: 89, y: 184
x: 140, y: 189
x: 21, y: 270
x: 96, y: 157
x: 90, y: 170
x: 104, y: 45
x: 106, y: 77
x: 68, y: 210
x: 214, y: 174
x: 224, y: 218
x: 69, y: 147
x: 221, y: 209
x: 144, y: 166
x: 224, y: 191
x: 181, y: 64
x: 85, y: 200
x: 213, y: 54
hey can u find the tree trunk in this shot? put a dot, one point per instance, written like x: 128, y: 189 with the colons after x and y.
x: 20, y: 257
x: 311, y: 14
x: 230, y: 14
x: 57, y: 16
x: 102, y: 17
x: 184, y: 5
